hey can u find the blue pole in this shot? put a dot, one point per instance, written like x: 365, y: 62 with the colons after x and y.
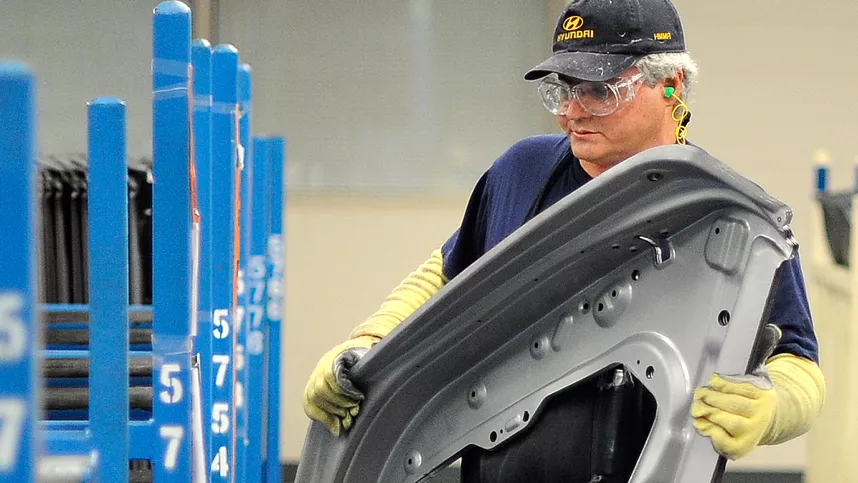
x: 246, y: 289
x: 172, y: 241
x: 224, y: 170
x: 20, y: 395
x: 274, y: 309
x: 821, y: 179
x: 202, y: 60
x: 256, y: 276
x: 108, y: 281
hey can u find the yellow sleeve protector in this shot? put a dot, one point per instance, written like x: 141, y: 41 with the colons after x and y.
x: 774, y: 404
x: 329, y: 397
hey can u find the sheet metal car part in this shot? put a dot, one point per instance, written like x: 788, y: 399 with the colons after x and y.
x: 663, y: 265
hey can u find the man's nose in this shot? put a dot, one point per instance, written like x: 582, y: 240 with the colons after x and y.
x: 575, y: 111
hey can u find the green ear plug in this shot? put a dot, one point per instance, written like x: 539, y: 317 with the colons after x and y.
x: 668, y: 92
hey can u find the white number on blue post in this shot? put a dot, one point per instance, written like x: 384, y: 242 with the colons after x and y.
x: 223, y: 363
x: 220, y: 418
x: 12, y: 412
x: 239, y: 357
x: 256, y: 266
x: 239, y: 395
x: 13, y: 332
x: 174, y: 434
x: 220, y: 463
x: 239, y: 317
x: 174, y: 392
x: 221, y: 324
x: 256, y: 313
x: 255, y: 342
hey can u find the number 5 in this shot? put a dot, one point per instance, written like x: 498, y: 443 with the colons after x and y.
x: 13, y: 333
x: 221, y: 322
x: 220, y: 418
x: 176, y: 391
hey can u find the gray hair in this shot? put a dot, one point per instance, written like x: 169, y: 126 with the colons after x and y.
x: 658, y: 67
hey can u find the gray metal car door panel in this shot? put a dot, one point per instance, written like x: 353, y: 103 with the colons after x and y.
x: 663, y: 265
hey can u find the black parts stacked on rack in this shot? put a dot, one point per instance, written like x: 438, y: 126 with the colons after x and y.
x: 63, y: 205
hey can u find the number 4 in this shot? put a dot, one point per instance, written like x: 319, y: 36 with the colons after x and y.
x: 219, y: 464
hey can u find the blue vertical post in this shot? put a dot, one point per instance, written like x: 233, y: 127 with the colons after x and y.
x: 19, y: 389
x: 821, y: 179
x: 821, y: 167
x: 274, y: 309
x: 247, y: 287
x: 172, y: 241
x: 108, y: 262
x: 202, y: 60
x: 224, y: 169
x: 256, y: 276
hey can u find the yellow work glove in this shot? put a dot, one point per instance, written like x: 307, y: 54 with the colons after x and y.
x: 329, y: 396
x: 734, y: 412
x: 775, y: 403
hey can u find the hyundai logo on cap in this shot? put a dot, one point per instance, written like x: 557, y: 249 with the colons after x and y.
x: 598, y: 40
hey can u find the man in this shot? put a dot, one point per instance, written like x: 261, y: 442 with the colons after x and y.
x: 617, y: 82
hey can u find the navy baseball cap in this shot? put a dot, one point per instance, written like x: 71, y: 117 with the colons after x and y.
x: 596, y: 40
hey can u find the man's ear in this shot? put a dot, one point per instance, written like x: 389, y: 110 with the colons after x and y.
x: 673, y: 85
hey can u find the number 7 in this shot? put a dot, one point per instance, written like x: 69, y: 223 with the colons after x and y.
x: 175, y: 435
x: 12, y: 412
x: 223, y: 362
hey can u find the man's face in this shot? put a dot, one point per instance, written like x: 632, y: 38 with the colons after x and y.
x: 604, y: 141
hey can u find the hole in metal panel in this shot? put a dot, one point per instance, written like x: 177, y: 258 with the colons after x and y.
x: 650, y: 372
x: 724, y: 317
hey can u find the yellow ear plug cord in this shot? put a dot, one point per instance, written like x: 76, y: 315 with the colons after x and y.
x: 680, y: 115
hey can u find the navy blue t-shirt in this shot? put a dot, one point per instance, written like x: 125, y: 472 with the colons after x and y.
x: 505, y: 195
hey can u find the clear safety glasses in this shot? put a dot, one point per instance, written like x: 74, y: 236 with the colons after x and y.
x: 596, y: 98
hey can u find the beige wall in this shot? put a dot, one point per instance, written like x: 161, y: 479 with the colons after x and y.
x: 344, y: 255
x: 776, y: 84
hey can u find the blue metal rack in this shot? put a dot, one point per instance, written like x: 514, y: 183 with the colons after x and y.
x: 274, y: 310
x: 246, y: 286
x: 202, y: 64
x: 217, y: 276
x: 224, y: 183
x: 172, y: 242
x: 20, y: 395
x: 108, y: 239
x: 256, y: 274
